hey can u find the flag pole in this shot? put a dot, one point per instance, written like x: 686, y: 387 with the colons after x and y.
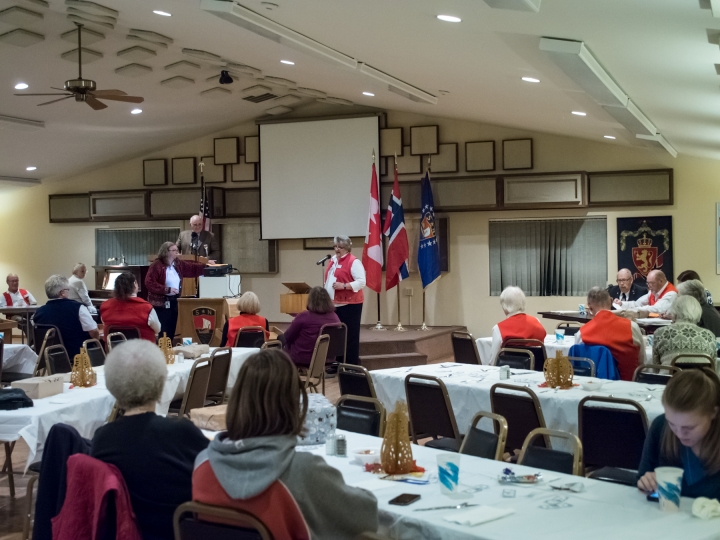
x: 399, y: 327
x: 424, y: 326
x: 379, y: 325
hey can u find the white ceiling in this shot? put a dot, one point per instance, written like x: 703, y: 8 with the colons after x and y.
x: 662, y: 53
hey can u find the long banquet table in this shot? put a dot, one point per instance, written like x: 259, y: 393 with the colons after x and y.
x: 469, y: 390
x: 18, y: 358
x: 601, y: 511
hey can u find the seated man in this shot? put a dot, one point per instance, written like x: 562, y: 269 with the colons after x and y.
x: 15, y: 296
x: 658, y: 299
x: 517, y: 325
x: 710, y: 318
x: 72, y: 318
x: 622, y: 336
x: 626, y: 289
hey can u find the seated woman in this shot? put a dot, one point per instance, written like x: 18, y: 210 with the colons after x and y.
x: 155, y: 454
x: 517, y: 324
x: 690, y: 275
x: 126, y: 309
x: 254, y: 466
x: 249, y: 307
x: 710, y: 317
x: 687, y: 435
x: 301, y: 335
x: 684, y: 336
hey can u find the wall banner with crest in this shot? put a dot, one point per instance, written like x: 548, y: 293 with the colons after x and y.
x: 645, y: 244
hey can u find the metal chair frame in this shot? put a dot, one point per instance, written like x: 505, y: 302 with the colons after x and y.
x: 48, y: 366
x: 359, y: 370
x: 96, y: 345
x: 693, y: 365
x: 466, y: 336
x: 196, y: 377
x: 314, y: 375
x: 448, y: 406
x: 374, y: 401
x: 499, y: 424
x: 333, y: 349
x: 111, y: 337
x: 523, y: 390
x: 213, y: 394
x: 271, y: 344
x: 249, y: 330
x: 577, y: 452
x: 585, y: 360
x: 529, y: 345
x: 224, y: 516
x: 517, y: 352
x: 650, y: 367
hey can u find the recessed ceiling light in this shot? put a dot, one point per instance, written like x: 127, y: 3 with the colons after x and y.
x: 609, y: 137
x: 30, y: 168
x: 288, y: 62
x: 163, y: 13
x: 368, y: 94
x: 136, y: 111
x: 530, y: 79
x: 21, y: 86
x: 449, y: 18
x: 579, y: 113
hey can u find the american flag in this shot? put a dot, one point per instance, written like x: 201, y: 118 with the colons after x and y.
x: 204, y: 205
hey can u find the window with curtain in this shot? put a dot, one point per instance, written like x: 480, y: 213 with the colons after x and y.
x: 548, y: 257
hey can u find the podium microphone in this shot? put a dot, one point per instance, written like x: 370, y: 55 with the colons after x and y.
x: 325, y: 258
x: 193, y: 242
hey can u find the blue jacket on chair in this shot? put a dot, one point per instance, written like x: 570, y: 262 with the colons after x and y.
x: 605, y: 364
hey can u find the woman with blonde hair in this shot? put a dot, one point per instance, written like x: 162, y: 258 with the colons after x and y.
x: 249, y: 306
x: 687, y: 435
x: 253, y: 466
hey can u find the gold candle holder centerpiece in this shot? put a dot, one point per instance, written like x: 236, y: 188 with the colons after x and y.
x: 396, y: 452
x: 165, y: 344
x: 558, y: 371
x: 82, y: 374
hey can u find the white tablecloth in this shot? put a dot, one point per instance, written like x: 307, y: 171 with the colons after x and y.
x: 18, y: 359
x: 469, y: 390
x: 601, y: 512
x: 484, y: 346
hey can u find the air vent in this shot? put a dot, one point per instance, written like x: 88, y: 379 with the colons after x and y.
x: 260, y: 98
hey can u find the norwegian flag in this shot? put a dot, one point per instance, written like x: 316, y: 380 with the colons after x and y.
x: 204, y: 205
x: 372, y: 256
x: 398, y: 249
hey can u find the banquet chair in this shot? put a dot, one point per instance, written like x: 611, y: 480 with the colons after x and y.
x: 130, y: 332
x: 250, y: 336
x: 515, y: 359
x: 196, y: 390
x: 553, y: 460
x: 646, y: 373
x: 582, y: 367
x: 693, y: 361
x: 95, y: 352
x: 368, y: 421
x: 465, y: 349
x: 535, y: 346
x: 9, y: 377
x: 272, y: 344
x: 115, y: 339
x: 338, y: 341
x: 219, y: 373
x: 45, y: 335
x: 431, y: 414
x: 613, y: 437
x: 115, y: 413
x: 571, y: 328
x: 605, y: 364
x: 522, y: 413
x: 484, y: 444
x: 356, y: 381
x: 57, y: 360
x: 314, y: 374
x: 198, y: 521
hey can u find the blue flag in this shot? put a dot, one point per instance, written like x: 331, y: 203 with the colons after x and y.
x: 428, y: 251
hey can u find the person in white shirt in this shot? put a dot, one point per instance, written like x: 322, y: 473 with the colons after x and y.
x: 659, y: 298
x: 78, y: 290
x: 15, y: 296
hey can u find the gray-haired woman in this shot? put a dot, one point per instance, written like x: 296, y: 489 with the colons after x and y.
x: 684, y: 336
x: 155, y: 454
x: 78, y: 290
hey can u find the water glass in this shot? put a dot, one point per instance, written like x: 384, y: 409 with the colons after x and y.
x: 669, y: 481
x: 179, y: 358
x: 559, y: 335
x: 448, y: 473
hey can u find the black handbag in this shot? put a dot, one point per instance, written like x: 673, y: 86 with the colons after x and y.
x: 14, y: 398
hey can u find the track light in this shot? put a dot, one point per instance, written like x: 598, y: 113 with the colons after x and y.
x: 225, y: 77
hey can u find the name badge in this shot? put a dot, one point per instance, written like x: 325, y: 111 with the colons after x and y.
x: 167, y: 304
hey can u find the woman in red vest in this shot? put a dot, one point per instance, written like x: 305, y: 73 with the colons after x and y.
x: 249, y: 306
x: 126, y: 309
x: 345, y: 281
x: 517, y: 324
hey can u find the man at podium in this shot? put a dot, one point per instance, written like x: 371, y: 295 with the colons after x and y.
x: 198, y: 241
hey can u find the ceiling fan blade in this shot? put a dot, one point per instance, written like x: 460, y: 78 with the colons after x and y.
x: 100, y: 93
x: 94, y: 103
x: 129, y: 99
x: 55, y: 100
x: 61, y: 89
x: 55, y: 94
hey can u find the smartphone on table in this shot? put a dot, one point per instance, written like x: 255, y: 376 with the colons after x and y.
x: 653, y: 497
x: 404, y: 499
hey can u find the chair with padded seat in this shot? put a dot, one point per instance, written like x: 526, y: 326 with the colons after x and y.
x: 44, y: 335
x: 485, y: 444
x: 693, y: 361
x: 272, y: 344
x: 337, y: 348
x: 250, y: 337
x: 515, y: 358
x: 114, y: 339
x: 550, y: 459
x: 612, y: 432
x: 535, y: 346
x: 57, y: 360
x: 465, y: 349
x: 431, y: 413
x: 95, y: 352
x: 582, y: 367
x: 646, y: 373
x: 571, y: 328
x: 314, y: 375
x: 355, y: 380
x: 196, y: 391
x: 522, y: 413
x: 369, y: 420
x: 198, y: 521
x: 219, y: 373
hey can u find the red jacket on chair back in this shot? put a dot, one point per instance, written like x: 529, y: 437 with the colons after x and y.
x: 615, y: 333
x: 90, y: 486
x: 130, y: 312
x: 521, y: 326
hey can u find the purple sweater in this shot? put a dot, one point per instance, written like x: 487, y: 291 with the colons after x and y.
x: 301, y: 335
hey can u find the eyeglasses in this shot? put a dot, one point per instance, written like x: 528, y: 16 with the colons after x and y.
x: 621, y: 280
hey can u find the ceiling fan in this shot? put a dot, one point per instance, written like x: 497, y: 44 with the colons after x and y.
x: 85, y: 89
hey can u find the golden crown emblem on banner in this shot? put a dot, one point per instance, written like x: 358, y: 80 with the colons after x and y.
x: 644, y: 241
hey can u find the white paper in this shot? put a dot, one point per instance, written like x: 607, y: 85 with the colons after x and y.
x: 476, y: 516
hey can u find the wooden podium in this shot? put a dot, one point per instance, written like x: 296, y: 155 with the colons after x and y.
x: 190, y: 285
x: 295, y: 301
x: 202, y: 319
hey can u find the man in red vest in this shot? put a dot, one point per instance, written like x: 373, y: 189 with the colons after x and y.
x: 15, y: 296
x: 622, y: 336
x: 660, y: 295
x: 517, y: 324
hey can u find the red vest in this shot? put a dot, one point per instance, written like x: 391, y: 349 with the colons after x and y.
x: 131, y: 312
x: 521, y: 326
x: 670, y: 288
x: 9, y: 300
x: 615, y: 333
x: 344, y: 275
x: 243, y: 320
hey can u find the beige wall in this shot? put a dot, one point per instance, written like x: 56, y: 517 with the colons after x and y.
x: 37, y: 249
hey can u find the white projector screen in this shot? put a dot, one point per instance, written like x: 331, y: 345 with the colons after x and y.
x: 315, y: 177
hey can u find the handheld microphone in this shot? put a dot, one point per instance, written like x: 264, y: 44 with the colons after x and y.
x: 325, y: 258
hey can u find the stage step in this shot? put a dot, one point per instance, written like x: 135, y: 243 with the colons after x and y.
x: 386, y: 361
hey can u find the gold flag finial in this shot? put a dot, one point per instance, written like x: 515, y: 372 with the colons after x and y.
x: 201, y: 165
